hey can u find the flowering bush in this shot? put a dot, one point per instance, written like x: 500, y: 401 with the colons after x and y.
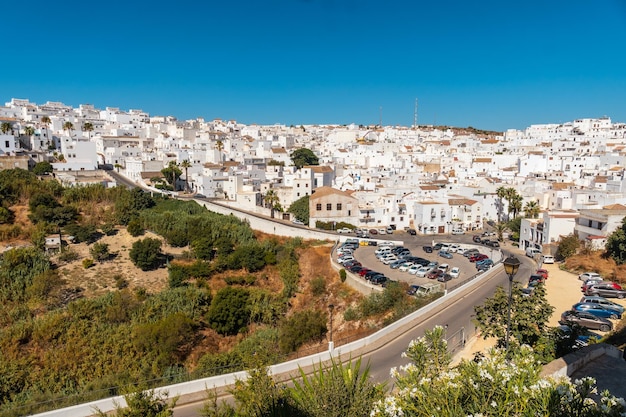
x: 493, y: 385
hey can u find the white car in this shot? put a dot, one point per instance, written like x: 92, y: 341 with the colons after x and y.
x: 405, y: 266
x: 344, y: 230
x: 589, y: 275
x: 458, y: 232
x: 454, y: 248
x: 547, y: 259
x: 455, y: 272
x: 423, y: 271
x: 382, y: 231
x: 443, y: 267
x: 413, y: 269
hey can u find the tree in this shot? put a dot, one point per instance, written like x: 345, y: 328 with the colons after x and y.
x: 300, y: 209
x: 186, y: 165
x: 68, y: 126
x: 42, y: 168
x: 529, y: 316
x: 501, y: 193
x: 499, y: 384
x: 229, y: 312
x: 616, y: 244
x: 117, y: 167
x: 88, y: 127
x: 146, y: 254
x: 531, y: 209
x: 302, y: 157
x: 172, y: 173
x: 219, y: 145
x: 5, y: 127
x: 515, y: 204
x: 500, y: 228
x: 272, y: 201
x: 300, y: 328
x: 568, y: 246
x: 144, y: 404
x: 45, y: 121
x: 100, y: 252
x: 29, y: 131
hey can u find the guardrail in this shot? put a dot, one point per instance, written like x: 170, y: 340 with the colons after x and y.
x: 196, y: 390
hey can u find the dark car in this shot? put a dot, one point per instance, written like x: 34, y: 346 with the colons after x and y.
x: 428, y: 249
x: 355, y: 269
x: 586, y: 320
x: 492, y: 243
x: 413, y: 289
x: 535, y: 278
x: 597, y: 310
x: 373, y: 232
x: 369, y: 274
x: 435, y: 274
x: 378, y: 279
x: 445, y: 254
x: 444, y: 278
x: 437, y: 246
x: 478, y: 257
x: 412, y: 232
x: 608, y: 290
x: 476, y: 239
x: 470, y: 252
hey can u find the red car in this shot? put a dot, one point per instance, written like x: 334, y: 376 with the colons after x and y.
x: 478, y: 257
x: 363, y: 271
x: 543, y: 273
x: 436, y: 273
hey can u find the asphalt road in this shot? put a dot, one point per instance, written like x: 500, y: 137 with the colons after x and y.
x: 456, y: 314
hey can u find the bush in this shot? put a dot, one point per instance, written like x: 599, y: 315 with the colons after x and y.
x: 318, y: 286
x: 146, y: 254
x: 135, y: 228
x: 87, y: 263
x: 68, y: 255
x: 300, y: 328
x: 100, y: 252
x: 120, y: 282
x: 342, y: 275
x: 229, y: 312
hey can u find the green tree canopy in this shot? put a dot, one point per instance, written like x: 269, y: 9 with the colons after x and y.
x: 229, y: 312
x: 42, y: 168
x: 568, y: 246
x: 616, y: 244
x: 300, y: 209
x: 146, y: 254
x: 303, y: 156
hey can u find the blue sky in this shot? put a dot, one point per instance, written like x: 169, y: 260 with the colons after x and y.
x: 488, y: 64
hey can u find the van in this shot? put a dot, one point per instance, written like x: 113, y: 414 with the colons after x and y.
x: 531, y: 252
x: 429, y: 288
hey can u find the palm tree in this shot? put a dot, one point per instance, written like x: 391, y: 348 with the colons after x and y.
x: 5, y: 127
x: 500, y: 228
x: 531, y: 209
x: 219, y: 145
x: 88, y: 127
x: 45, y: 120
x: 501, y: 193
x: 68, y: 126
x: 271, y: 200
x: 29, y: 131
x: 516, y: 204
x: 117, y: 167
x: 186, y: 165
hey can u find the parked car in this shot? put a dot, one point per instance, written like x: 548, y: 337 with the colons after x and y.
x: 405, y: 266
x: 478, y: 257
x: 355, y: 268
x: 433, y: 264
x: 344, y: 230
x: 428, y: 249
x: 454, y: 248
x: 535, y: 278
x: 470, y: 252
x: 587, y: 320
x: 413, y: 269
x: 369, y: 274
x: 476, y: 239
x: 382, y: 231
x: 379, y: 279
x: 607, y: 289
x: 298, y: 222
x: 458, y: 232
x: 547, y: 259
x: 445, y: 254
x: 412, y: 232
x: 492, y: 243
x: 455, y: 272
x: 484, y: 264
x: 603, y: 302
x: 373, y: 232
x: 396, y: 264
x: 593, y: 281
x: 444, y: 267
x: 588, y: 275
x: 364, y: 271
x: 419, y: 261
x: 597, y: 310
x: 584, y: 335
x: 423, y: 271
x: 437, y: 246
x: 389, y: 259
x: 413, y: 289
x: 444, y: 278
x: 531, y: 252
x: 542, y: 272
x: 434, y: 274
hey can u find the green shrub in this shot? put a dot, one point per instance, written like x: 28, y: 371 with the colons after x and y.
x: 135, y: 228
x: 342, y: 275
x: 68, y: 255
x: 300, y: 328
x: 87, y: 263
x: 318, y: 286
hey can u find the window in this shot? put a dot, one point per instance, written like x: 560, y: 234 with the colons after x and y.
x: 298, y: 195
x: 6, y: 143
x: 329, y: 206
x: 338, y: 206
x: 318, y: 207
x: 298, y: 185
x: 349, y: 212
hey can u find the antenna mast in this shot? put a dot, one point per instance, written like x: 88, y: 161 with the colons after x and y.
x: 415, y: 116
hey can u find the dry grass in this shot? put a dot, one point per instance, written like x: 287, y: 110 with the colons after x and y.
x: 594, y: 261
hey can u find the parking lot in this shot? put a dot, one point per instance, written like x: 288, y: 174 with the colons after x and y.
x: 366, y: 256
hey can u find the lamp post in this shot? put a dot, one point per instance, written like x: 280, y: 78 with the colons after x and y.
x: 511, y: 266
x: 331, y: 345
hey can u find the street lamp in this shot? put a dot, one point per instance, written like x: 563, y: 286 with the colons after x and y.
x: 511, y: 266
x: 331, y: 345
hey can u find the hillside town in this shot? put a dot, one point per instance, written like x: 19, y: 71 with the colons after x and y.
x: 431, y: 179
